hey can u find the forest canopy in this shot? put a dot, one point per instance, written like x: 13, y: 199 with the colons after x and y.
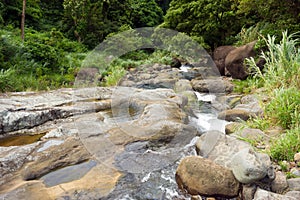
x: 59, y: 33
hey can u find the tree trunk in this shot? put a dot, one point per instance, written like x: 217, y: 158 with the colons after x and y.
x: 23, y: 20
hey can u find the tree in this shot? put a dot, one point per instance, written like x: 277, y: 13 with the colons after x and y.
x: 23, y: 20
x: 145, y: 13
x: 212, y: 20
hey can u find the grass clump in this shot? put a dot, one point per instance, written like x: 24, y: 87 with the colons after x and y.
x: 286, y: 146
x: 281, y: 81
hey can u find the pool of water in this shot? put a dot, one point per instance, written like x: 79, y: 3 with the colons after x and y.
x: 19, y: 140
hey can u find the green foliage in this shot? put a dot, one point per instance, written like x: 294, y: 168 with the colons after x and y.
x: 44, y: 61
x: 286, y: 146
x: 212, y: 20
x: 285, y: 107
x: 118, y: 67
x: 114, y: 75
x: 282, y: 68
x: 145, y: 13
x: 247, y: 86
x: 280, y: 78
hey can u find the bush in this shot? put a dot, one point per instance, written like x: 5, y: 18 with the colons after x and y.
x: 44, y: 61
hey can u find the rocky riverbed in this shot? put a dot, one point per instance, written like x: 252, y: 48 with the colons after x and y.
x: 151, y: 137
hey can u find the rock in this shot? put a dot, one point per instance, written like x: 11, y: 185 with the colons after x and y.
x: 249, y: 107
x: 233, y: 127
x: 297, y: 157
x: 13, y: 158
x: 29, y: 190
x: 216, y: 85
x: 248, y: 191
x: 219, y: 148
x: 294, y: 184
x: 295, y: 171
x: 68, y: 153
x: 175, y: 63
x: 279, y: 185
x: 201, y: 176
x: 183, y: 85
x: 234, y: 115
x: 235, y: 58
x: 255, y: 135
x: 253, y: 108
x: 87, y: 75
x: 219, y: 56
x: 31, y: 110
x: 249, y: 166
x: 265, y: 195
x: 294, y: 194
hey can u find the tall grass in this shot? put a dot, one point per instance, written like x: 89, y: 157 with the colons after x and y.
x: 281, y: 79
x: 282, y: 68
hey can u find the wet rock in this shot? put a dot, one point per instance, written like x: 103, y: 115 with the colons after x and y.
x: 294, y: 184
x: 263, y: 195
x: 197, y: 175
x: 68, y: 174
x: 69, y: 153
x: 213, y: 85
x: 279, y: 185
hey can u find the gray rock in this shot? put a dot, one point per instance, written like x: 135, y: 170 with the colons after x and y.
x: 295, y: 171
x: 235, y: 115
x: 248, y: 191
x: 294, y: 184
x: 249, y: 166
x: 294, y: 194
x: 212, y: 85
x: 266, y: 195
x: 13, y: 158
x: 279, y: 185
x: 183, y: 85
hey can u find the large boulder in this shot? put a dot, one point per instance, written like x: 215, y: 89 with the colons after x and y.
x: 247, y: 165
x: 219, y: 57
x: 234, y: 61
x: 202, y: 176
